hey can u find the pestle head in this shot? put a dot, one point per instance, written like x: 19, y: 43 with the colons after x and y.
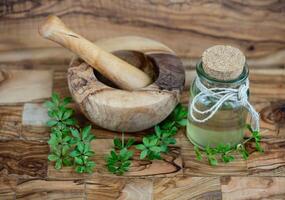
x: 223, y: 62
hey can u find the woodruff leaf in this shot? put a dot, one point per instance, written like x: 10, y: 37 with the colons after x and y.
x: 119, y: 163
x: 224, y: 150
x: 198, y: 153
x: 68, y: 146
x: 117, y: 143
x: 52, y: 157
x: 51, y: 123
x: 86, y: 132
x: 58, y: 164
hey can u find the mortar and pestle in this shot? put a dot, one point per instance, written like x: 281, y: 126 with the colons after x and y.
x: 122, y: 84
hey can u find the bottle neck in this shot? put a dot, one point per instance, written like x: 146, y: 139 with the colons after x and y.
x: 210, y: 82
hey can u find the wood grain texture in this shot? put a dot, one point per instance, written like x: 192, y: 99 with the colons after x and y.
x: 269, y: 163
x: 23, y: 158
x: 119, y: 188
x: 55, y: 57
x: 184, y: 188
x: 18, y: 86
x: 243, y: 188
x: 10, y: 122
x: 186, y: 27
x: 7, y: 187
x: 32, y: 189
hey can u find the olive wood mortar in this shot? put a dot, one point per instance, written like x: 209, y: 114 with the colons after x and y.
x: 129, y: 110
x: 135, y: 62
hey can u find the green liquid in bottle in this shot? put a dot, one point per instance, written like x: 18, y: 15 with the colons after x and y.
x: 225, y: 127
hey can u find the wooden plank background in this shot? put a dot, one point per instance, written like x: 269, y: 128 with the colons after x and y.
x: 31, y: 67
x: 187, y: 26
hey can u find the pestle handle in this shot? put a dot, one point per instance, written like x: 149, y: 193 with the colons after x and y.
x: 120, y: 72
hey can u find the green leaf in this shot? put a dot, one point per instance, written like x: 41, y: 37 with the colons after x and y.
x: 143, y: 154
x: 67, y: 161
x: 80, y: 169
x: 249, y: 127
x: 65, y: 149
x: 118, y: 143
x: 90, y: 153
x: 70, y: 122
x: 91, y: 164
x: 49, y: 104
x: 66, y: 139
x: 75, y: 133
x: 75, y: 153
x: 182, y: 122
x: 51, y: 123
x: 86, y: 131
x: 53, y: 140
x: 157, y: 131
x: 90, y: 138
x: 130, y: 142
x: 258, y: 146
x: 58, y: 164
x: 227, y: 158
x: 212, y: 161
x: 169, y: 140
x: 164, y: 148
x: 52, y: 114
x: 168, y: 124
x: 146, y: 141
x: 66, y: 101
x: 86, y: 148
x: 78, y: 161
x: 52, y: 157
x: 198, y: 153
x: 114, y: 155
x: 80, y: 147
x: 126, y: 165
x: 55, y: 98
x: 153, y: 142
x: 67, y: 114
x: 61, y: 111
x: 140, y: 147
x: 155, y: 148
x: 123, y: 152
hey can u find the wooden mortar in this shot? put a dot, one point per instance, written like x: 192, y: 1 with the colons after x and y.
x: 131, y: 63
x: 122, y: 110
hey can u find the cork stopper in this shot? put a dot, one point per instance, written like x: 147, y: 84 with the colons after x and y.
x: 223, y: 62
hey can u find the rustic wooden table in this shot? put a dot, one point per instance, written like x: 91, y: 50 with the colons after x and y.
x: 26, y: 173
x: 31, y: 68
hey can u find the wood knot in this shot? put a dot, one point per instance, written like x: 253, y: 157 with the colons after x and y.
x: 3, y: 76
x: 274, y: 113
x: 225, y: 180
x: 33, y: 167
x: 279, y: 114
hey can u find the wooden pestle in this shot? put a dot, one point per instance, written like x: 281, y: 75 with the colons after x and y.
x: 124, y: 75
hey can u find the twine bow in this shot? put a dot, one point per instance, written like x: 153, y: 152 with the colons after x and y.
x: 222, y: 95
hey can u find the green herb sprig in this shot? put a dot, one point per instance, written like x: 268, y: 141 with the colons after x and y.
x: 68, y: 145
x: 119, y: 159
x: 224, y: 151
x: 82, y: 151
x: 154, y: 144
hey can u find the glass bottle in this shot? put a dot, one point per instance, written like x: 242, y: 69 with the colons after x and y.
x: 227, y: 125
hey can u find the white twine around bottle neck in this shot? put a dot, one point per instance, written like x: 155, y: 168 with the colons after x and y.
x: 222, y: 95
